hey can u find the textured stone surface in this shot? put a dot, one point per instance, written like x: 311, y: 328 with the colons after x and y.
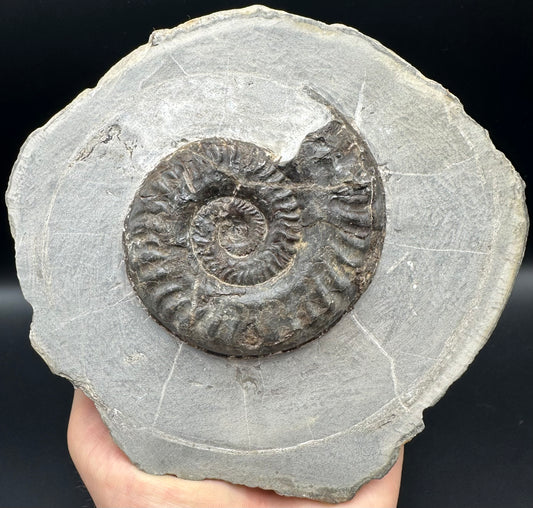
x: 322, y: 419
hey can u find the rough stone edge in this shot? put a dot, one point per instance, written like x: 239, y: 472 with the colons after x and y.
x: 516, y: 228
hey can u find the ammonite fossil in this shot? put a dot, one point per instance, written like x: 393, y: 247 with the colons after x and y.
x: 263, y: 246
x: 239, y: 254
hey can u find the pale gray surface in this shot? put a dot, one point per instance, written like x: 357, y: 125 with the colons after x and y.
x: 321, y: 420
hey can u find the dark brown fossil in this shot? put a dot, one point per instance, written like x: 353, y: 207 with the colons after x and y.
x: 238, y: 254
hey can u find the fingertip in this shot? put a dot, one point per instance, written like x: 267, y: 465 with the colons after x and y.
x: 88, y: 438
x: 84, y: 421
x: 382, y: 492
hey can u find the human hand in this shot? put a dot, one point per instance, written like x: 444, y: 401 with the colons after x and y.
x: 114, y: 482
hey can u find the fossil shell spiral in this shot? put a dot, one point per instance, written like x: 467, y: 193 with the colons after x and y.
x: 241, y: 255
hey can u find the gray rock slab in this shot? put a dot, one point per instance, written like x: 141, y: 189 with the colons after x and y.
x: 321, y: 420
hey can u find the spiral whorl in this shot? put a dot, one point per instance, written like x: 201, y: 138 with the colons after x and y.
x: 239, y: 255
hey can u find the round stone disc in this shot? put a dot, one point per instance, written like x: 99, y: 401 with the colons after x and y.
x: 263, y: 246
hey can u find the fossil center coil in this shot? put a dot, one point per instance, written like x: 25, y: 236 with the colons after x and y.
x: 240, y: 255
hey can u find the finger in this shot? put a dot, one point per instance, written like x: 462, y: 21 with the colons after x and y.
x: 98, y: 460
x: 382, y: 493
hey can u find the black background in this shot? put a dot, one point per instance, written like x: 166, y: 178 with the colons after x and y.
x: 477, y: 449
